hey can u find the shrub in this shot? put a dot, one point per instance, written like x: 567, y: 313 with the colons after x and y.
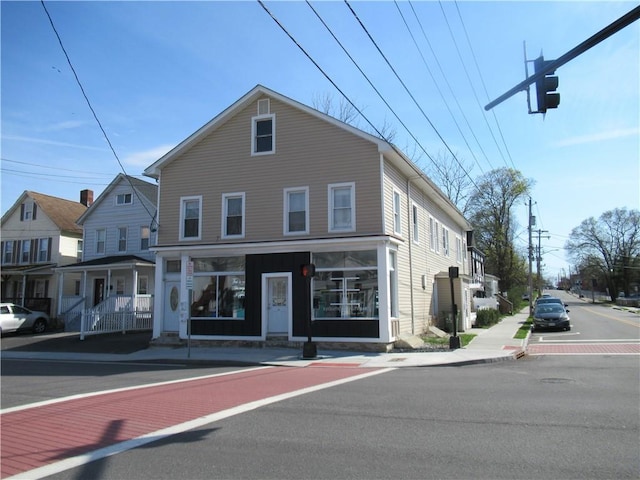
x: 486, y: 317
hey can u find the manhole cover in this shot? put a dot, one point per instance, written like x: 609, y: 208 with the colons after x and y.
x: 556, y: 380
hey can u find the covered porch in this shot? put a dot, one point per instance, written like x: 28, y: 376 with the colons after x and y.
x: 112, y: 294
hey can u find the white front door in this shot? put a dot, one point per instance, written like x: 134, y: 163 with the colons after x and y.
x: 278, y: 304
x: 171, y: 312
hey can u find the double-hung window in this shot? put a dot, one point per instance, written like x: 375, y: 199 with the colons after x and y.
x: 124, y: 199
x: 296, y: 211
x: 397, y: 219
x: 44, y: 253
x: 144, y: 238
x: 416, y: 224
x: 433, y: 234
x: 7, y: 254
x: 459, y: 252
x: 263, y: 130
x: 26, y: 251
x: 101, y: 240
x: 233, y: 215
x: 122, y: 239
x: 190, y: 218
x: 342, y: 210
x: 445, y: 241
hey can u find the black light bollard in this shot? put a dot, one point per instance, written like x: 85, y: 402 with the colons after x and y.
x: 309, y: 349
x: 454, y: 340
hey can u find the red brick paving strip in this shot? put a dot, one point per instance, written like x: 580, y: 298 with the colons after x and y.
x: 584, y: 348
x: 38, y: 436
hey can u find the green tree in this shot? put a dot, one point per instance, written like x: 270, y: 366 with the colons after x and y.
x: 490, y: 211
x: 608, y: 248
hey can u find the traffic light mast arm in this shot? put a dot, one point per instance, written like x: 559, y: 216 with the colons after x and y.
x: 603, y: 34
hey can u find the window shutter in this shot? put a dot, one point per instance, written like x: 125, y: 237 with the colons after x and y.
x: 2, y: 251
x: 33, y: 254
x: 16, y: 252
x: 35, y: 209
x: 50, y: 241
x: 22, y: 212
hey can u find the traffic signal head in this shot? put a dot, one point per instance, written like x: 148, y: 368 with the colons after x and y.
x: 308, y: 270
x: 545, y: 87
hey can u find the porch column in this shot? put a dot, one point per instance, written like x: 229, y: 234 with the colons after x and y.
x: 134, y: 295
x: 60, y: 284
x: 384, y: 307
x: 24, y: 288
x: 108, y: 286
x: 158, y: 303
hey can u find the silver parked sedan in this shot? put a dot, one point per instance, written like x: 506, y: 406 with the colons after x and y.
x: 14, y: 318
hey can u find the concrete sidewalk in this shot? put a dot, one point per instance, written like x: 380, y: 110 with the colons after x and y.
x: 490, y: 345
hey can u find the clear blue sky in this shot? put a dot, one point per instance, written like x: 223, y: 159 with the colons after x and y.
x: 157, y: 71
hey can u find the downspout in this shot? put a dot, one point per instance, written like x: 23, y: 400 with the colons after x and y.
x: 409, y: 236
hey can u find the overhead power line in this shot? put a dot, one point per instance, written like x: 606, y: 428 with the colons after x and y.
x: 475, y: 94
x: 374, y: 88
x: 93, y: 112
x: 409, y: 93
x: 444, y: 100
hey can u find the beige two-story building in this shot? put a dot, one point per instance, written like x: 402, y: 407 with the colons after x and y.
x: 270, y: 185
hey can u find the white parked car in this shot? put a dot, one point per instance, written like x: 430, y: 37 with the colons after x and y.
x: 14, y: 317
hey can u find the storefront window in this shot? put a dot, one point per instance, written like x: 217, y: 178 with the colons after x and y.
x: 218, y: 288
x: 345, y: 285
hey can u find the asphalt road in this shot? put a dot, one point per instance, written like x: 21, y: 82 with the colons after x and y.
x: 542, y: 417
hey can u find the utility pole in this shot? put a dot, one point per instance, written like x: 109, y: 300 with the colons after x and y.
x: 532, y: 222
x: 539, y: 258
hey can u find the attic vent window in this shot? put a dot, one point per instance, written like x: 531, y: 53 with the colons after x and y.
x: 263, y: 106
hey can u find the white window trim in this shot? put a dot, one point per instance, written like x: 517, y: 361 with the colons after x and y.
x: 285, y: 219
x: 397, y: 212
x: 254, y: 121
x: 225, y: 197
x: 183, y: 200
x: 437, y: 236
x: 459, y: 249
x: 330, y: 189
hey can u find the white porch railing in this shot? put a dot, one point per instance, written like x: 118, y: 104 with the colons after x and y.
x: 71, y: 308
x: 118, y: 313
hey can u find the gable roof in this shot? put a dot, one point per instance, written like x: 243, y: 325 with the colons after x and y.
x: 256, y: 92
x: 390, y: 151
x: 63, y: 213
x: 145, y: 189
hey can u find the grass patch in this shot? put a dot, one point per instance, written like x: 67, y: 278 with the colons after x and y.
x: 465, y: 339
x: 524, y: 330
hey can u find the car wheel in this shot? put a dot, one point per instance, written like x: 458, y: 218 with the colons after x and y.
x: 39, y: 326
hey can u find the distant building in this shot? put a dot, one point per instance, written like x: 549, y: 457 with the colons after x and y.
x: 40, y: 233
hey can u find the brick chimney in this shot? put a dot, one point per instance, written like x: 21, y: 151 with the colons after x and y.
x: 86, y: 197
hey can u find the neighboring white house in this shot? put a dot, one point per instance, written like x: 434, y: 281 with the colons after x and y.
x: 39, y: 233
x: 117, y: 266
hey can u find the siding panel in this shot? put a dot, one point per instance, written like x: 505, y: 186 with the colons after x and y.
x: 309, y: 152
